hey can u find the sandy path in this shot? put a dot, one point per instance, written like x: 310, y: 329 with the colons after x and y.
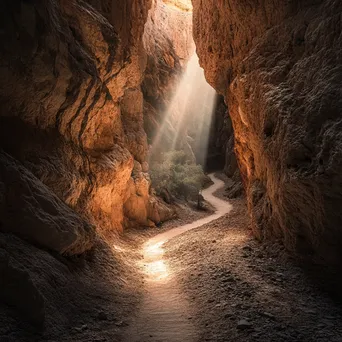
x: 164, y: 315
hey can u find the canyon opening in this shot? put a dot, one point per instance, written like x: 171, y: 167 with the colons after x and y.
x: 170, y: 170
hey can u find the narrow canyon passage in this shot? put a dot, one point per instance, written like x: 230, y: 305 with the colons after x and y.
x: 112, y: 115
x: 164, y: 313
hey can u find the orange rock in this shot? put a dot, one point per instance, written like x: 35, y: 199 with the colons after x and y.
x: 281, y: 81
x: 72, y: 107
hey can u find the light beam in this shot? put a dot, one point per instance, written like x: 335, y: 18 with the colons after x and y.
x: 190, y: 113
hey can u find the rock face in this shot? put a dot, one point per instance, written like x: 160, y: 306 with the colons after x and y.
x: 220, y: 139
x: 71, y: 102
x: 278, y: 64
x: 169, y: 46
x: 29, y: 209
x: 18, y: 289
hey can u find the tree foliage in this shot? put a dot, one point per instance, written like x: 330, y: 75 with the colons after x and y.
x: 178, y: 175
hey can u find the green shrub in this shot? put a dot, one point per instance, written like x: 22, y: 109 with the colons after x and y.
x: 176, y: 174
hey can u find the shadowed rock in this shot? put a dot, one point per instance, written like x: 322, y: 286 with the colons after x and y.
x: 18, y: 290
x: 30, y: 210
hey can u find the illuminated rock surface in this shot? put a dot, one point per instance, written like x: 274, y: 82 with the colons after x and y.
x: 279, y: 66
x: 84, y: 86
x: 70, y: 88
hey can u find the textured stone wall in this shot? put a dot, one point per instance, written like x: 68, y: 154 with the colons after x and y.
x: 278, y: 64
x: 72, y: 108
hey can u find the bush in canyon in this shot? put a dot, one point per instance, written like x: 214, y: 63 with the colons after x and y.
x: 175, y: 174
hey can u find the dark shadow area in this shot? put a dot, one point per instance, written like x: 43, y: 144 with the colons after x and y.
x: 85, y: 298
x: 328, y: 278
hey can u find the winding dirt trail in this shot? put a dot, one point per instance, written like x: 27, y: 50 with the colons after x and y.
x: 164, y: 315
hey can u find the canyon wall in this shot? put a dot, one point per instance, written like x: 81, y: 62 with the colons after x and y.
x: 169, y: 45
x: 173, y: 105
x: 72, y: 164
x: 221, y: 155
x: 278, y: 64
x: 71, y: 118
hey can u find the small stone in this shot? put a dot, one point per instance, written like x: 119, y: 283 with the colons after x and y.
x: 267, y: 314
x: 243, y: 324
x: 228, y: 315
x: 81, y: 328
x: 214, y: 241
x: 310, y: 311
x: 102, y: 316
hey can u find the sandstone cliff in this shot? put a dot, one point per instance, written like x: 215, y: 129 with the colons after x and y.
x: 72, y: 161
x: 278, y: 64
x: 72, y: 106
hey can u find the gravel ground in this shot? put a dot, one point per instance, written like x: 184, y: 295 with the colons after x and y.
x: 237, y: 289
x: 88, y: 298
x: 242, y: 290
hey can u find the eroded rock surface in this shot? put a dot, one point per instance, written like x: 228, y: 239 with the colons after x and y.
x: 279, y: 66
x: 72, y: 106
x: 30, y: 210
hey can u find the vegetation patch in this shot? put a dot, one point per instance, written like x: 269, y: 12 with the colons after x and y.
x: 178, y: 176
